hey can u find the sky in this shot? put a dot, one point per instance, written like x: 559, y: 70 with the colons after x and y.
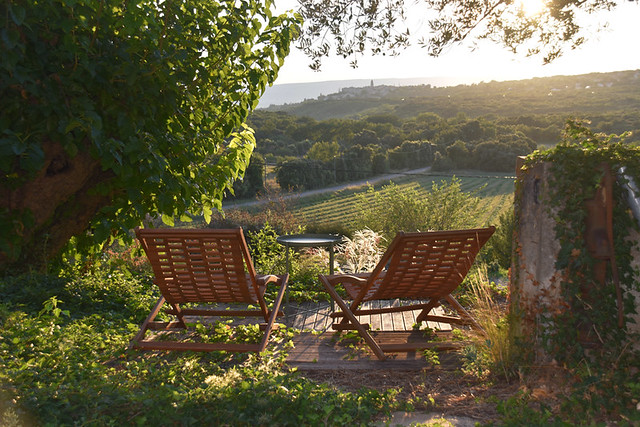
x: 614, y: 49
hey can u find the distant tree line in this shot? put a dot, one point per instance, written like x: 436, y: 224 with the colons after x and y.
x: 482, y: 126
x: 613, y: 97
x: 313, y: 154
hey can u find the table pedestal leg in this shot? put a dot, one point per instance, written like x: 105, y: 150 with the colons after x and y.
x: 286, y: 294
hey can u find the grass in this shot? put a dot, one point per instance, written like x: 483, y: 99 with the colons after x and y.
x: 497, y: 342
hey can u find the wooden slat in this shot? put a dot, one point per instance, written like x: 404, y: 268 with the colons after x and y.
x: 322, y: 318
x: 376, y: 319
x: 409, y: 319
x: 295, y: 317
x: 188, y: 346
x: 365, y: 318
x: 386, y: 320
x: 309, y: 319
x: 322, y: 352
x: 315, y: 316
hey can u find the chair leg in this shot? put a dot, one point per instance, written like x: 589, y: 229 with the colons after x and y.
x: 462, y: 312
x: 180, y: 315
x: 433, y: 303
x: 275, y: 311
x: 145, y: 325
x: 349, y: 315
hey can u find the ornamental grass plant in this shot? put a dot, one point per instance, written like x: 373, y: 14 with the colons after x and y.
x: 361, y: 253
x: 495, y: 350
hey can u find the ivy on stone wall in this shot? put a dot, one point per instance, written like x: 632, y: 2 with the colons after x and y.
x: 585, y: 331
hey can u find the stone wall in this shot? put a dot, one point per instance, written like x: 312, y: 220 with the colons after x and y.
x: 535, y: 283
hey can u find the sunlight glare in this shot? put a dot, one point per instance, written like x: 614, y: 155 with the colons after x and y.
x: 531, y: 8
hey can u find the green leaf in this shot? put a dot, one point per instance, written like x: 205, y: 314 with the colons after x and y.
x: 207, y: 212
x: 71, y: 149
x: 168, y: 220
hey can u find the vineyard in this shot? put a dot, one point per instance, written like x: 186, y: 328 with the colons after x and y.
x: 495, y: 192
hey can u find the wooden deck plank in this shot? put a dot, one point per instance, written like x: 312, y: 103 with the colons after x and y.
x: 409, y: 318
x: 322, y: 320
x: 396, y: 319
x: 324, y: 352
x: 387, y: 321
x: 310, y: 317
x: 306, y: 312
x: 294, y: 318
x: 366, y: 318
x: 316, y: 316
x: 299, y: 314
x: 376, y: 319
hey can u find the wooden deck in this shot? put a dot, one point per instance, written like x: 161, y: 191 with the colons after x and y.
x: 327, y: 352
x: 318, y: 347
x: 312, y: 316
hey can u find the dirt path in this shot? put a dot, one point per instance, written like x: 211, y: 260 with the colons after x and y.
x: 353, y: 184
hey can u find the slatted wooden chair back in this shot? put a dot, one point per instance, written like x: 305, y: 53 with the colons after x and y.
x: 417, y: 267
x: 202, y: 265
x: 211, y: 268
x: 424, y: 265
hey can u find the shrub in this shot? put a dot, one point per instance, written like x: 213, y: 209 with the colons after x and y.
x: 276, y: 212
x: 269, y: 257
x: 394, y: 209
x: 497, y: 251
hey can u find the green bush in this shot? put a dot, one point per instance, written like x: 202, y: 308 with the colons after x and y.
x: 497, y: 251
x: 393, y: 209
x: 269, y: 257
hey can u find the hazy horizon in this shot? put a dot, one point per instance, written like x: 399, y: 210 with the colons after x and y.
x: 291, y: 93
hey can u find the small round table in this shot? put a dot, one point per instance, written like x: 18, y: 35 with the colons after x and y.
x: 310, y: 241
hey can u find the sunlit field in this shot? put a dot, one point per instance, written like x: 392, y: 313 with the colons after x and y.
x: 495, y: 191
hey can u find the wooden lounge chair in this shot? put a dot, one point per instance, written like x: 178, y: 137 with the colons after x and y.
x: 416, y: 266
x: 205, y: 266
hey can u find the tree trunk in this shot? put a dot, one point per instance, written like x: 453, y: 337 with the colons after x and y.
x: 61, y: 199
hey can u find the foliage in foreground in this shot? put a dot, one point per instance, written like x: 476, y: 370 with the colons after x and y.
x: 113, y: 111
x: 63, y: 344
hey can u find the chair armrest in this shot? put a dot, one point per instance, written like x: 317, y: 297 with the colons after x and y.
x: 272, y: 278
x: 346, y: 279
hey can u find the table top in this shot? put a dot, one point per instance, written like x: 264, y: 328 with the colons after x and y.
x: 309, y: 240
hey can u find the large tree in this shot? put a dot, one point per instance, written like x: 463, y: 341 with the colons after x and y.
x: 113, y: 110
x: 353, y: 27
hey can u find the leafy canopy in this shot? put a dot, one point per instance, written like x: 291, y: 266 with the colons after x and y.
x: 354, y: 27
x: 157, y: 92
